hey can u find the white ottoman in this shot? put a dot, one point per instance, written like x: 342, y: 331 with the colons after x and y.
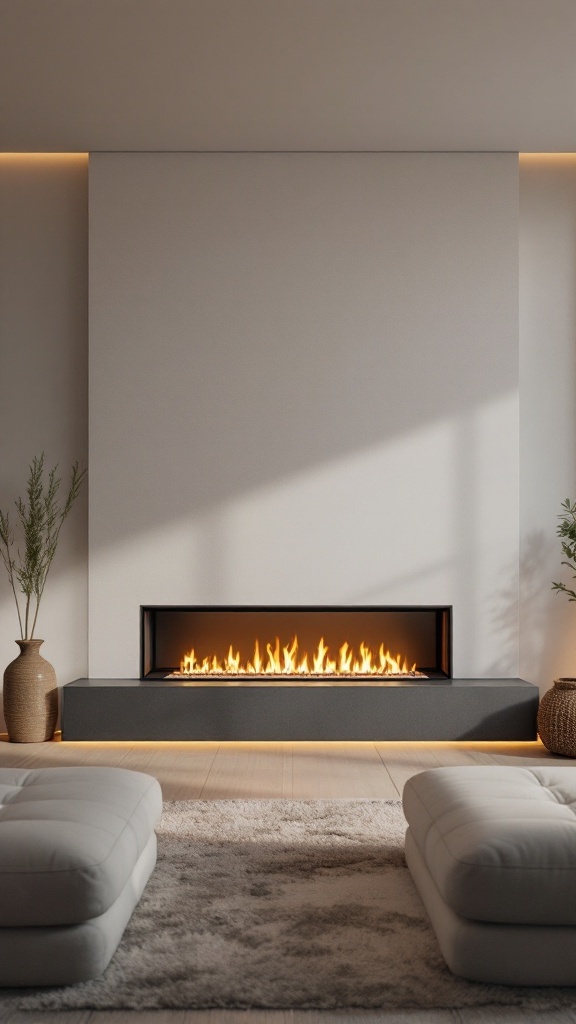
x: 77, y: 846
x: 493, y: 854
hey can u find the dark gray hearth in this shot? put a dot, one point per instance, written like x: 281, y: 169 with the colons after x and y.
x: 457, y: 709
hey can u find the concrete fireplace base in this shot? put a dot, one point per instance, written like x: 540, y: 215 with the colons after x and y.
x: 447, y: 709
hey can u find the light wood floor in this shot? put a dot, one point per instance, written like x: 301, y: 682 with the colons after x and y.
x: 300, y: 771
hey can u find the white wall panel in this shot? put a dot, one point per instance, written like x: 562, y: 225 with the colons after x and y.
x: 304, y: 388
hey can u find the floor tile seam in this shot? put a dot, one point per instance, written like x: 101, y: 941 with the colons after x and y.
x: 208, y: 773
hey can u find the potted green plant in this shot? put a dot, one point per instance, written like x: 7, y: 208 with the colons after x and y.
x: 557, y: 711
x: 30, y: 694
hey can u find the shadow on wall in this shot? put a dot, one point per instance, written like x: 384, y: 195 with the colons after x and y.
x: 547, y: 619
x: 503, y: 610
x: 350, y: 531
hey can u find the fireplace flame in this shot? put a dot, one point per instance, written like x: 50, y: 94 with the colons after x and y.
x: 288, y: 661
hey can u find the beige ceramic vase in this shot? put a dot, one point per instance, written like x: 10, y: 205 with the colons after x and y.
x: 557, y: 717
x: 30, y: 695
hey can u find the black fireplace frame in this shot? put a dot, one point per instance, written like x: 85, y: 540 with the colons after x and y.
x: 440, y: 614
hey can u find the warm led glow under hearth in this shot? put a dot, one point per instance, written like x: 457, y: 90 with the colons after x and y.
x: 274, y: 659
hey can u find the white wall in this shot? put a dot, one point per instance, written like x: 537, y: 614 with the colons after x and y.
x: 43, y: 377
x: 43, y: 295
x: 547, y: 409
x: 288, y: 75
x: 304, y: 389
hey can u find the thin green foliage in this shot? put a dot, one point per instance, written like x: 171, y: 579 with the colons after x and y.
x: 40, y: 520
x: 567, y: 530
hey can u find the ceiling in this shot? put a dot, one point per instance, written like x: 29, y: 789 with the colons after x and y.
x: 241, y: 75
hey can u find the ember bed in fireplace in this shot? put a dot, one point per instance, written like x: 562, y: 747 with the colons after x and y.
x: 305, y: 673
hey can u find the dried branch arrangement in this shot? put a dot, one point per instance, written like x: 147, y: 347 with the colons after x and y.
x: 39, y: 520
x: 567, y: 531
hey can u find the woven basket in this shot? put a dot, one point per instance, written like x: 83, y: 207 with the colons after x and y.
x: 557, y: 718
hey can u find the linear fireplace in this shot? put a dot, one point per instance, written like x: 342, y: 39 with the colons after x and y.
x: 281, y: 645
x: 297, y: 673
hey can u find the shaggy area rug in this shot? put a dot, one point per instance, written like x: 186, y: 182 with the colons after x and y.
x: 281, y: 904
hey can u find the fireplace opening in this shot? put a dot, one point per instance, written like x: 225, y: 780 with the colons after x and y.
x: 298, y: 646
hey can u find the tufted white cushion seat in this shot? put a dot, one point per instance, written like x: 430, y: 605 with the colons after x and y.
x: 77, y: 846
x: 493, y: 853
